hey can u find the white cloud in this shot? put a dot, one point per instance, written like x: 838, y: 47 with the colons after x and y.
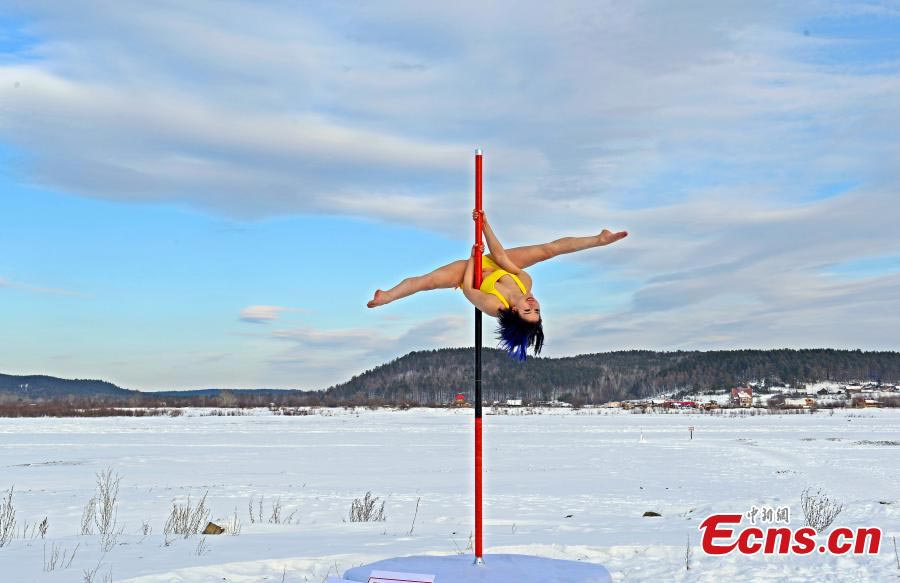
x: 331, y: 356
x: 716, y: 133
x: 764, y: 281
x: 256, y: 110
x: 27, y: 287
x: 264, y: 314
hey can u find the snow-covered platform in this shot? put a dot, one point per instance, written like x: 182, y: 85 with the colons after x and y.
x: 496, y: 569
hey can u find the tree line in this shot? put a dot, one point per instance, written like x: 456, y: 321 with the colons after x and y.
x: 435, y: 376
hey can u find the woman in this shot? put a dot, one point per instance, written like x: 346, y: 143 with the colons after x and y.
x: 505, y: 291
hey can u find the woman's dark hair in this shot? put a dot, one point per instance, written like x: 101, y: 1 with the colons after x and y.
x: 516, y: 334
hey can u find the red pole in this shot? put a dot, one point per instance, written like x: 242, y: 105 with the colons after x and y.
x: 479, y: 226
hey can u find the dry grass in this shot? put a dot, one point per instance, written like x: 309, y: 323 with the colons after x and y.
x: 818, y: 509
x: 59, y: 557
x: 186, y: 519
x: 7, y: 518
x: 366, y: 509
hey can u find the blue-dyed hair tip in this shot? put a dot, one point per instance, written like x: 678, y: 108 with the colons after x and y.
x: 515, y: 334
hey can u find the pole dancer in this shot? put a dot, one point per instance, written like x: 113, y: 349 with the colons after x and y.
x: 496, y: 284
x: 505, y: 290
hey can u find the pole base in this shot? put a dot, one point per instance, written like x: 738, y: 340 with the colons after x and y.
x: 498, y: 569
x: 479, y: 562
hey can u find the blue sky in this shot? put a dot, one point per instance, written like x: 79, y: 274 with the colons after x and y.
x: 208, y: 195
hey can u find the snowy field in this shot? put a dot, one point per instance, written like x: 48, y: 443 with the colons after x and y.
x: 562, y: 484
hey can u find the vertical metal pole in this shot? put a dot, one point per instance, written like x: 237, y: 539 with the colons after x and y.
x: 479, y: 226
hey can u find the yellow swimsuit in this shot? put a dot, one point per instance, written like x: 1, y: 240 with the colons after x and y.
x: 489, y: 283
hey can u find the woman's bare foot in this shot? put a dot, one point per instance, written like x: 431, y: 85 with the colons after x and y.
x: 380, y: 299
x: 607, y: 236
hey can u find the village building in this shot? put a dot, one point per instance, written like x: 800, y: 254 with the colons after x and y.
x: 742, y: 396
x: 799, y: 402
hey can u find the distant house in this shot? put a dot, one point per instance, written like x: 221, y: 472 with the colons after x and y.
x: 514, y: 402
x: 742, y: 396
x: 800, y: 402
x: 459, y: 400
x: 555, y: 403
x: 825, y: 388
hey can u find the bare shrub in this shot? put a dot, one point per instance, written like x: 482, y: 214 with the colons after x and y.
x: 186, y: 519
x: 416, y: 515
x: 7, y: 518
x: 87, y: 516
x: 25, y: 529
x: 366, y: 509
x: 43, y: 527
x: 275, y: 517
x: 234, y: 527
x: 101, y: 511
x: 75, y: 408
x: 258, y: 517
x: 59, y: 557
x: 469, y: 546
x: 90, y: 575
x: 107, y: 501
x: 818, y: 509
x: 688, y: 554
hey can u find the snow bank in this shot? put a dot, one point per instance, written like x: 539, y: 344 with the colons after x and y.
x: 496, y: 569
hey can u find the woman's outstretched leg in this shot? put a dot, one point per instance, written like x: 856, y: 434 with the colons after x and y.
x: 444, y: 277
x: 528, y: 255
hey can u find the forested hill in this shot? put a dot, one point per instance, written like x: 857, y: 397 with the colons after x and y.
x: 44, y: 387
x: 435, y: 376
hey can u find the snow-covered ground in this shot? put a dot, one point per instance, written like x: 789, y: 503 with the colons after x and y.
x: 562, y: 484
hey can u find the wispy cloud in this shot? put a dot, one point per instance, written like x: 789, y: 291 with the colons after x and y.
x: 26, y: 287
x: 264, y: 314
x: 332, y: 355
x: 767, y: 280
x: 746, y: 156
x: 294, y: 115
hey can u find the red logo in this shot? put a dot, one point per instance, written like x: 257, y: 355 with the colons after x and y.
x: 721, y: 536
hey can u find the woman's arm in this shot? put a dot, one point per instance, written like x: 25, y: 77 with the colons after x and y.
x: 484, y: 302
x: 497, y: 251
x: 469, y: 277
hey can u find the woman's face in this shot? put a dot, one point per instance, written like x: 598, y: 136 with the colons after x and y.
x: 528, y: 308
